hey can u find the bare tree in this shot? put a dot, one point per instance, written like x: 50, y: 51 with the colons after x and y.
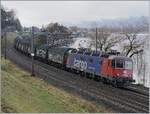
x: 9, y: 21
x: 105, y: 39
x: 133, y: 43
x: 58, y: 35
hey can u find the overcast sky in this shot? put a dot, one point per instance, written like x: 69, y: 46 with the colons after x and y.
x: 40, y: 13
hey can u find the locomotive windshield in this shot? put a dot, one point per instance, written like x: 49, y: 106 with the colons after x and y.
x: 128, y: 65
x: 120, y: 63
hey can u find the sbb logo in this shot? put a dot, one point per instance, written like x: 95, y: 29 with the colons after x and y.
x: 80, y: 64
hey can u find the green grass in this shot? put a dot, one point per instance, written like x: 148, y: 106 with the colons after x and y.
x: 23, y: 93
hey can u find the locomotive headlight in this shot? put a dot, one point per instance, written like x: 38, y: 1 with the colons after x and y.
x: 124, y: 71
x: 117, y: 74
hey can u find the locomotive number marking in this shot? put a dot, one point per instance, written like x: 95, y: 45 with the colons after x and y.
x: 80, y: 64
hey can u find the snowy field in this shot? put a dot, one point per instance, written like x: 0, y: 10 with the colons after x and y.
x: 141, y: 65
x: 82, y: 42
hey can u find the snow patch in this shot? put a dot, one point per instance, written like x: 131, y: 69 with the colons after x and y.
x: 82, y: 42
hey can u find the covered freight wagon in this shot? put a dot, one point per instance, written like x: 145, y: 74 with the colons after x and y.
x: 58, y: 55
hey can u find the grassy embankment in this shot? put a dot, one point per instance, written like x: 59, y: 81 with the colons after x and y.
x: 23, y: 93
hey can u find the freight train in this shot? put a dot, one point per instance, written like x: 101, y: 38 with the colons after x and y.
x: 108, y: 67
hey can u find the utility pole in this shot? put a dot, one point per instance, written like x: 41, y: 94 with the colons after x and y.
x: 144, y: 75
x: 32, y: 52
x: 5, y: 38
x: 138, y: 68
x: 96, y: 40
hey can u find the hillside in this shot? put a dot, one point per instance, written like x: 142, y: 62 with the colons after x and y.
x: 23, y: 93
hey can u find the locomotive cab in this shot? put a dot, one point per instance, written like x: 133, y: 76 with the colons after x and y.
x: 118, y: 69
x: 122, y: 69
x: 122, y: 65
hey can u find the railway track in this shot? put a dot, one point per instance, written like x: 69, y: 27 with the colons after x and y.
x: 118, y: 99
x: 140, y: 97
x: 134, y: 88
x: 102, y: 93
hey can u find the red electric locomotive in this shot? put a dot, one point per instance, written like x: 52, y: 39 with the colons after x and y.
x: 118, y: 70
